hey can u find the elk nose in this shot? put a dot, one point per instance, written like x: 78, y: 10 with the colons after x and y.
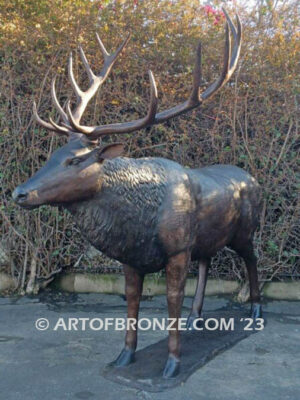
x: 19, y: 195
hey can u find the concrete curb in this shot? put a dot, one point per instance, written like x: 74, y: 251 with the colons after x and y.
x: 114, y: 284
x: 282, y: 290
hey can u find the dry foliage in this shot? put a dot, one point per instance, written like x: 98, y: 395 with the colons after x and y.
x: 252, y: 123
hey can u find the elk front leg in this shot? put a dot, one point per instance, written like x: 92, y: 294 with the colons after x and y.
x: 176, y: 272
x: 199, y: 295
x: 133, y: 291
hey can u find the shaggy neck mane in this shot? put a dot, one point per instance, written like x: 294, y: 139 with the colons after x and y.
x: 125, y: 211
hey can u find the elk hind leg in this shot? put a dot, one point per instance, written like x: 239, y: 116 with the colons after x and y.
x: 199, y: 294
x: 247, y: 253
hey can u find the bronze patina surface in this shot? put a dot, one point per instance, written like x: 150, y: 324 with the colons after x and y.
x: 149, y: 213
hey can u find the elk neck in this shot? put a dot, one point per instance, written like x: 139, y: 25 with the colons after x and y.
x: 132, y: 191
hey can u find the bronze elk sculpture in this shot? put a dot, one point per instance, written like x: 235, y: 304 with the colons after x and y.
x: 149, y: 213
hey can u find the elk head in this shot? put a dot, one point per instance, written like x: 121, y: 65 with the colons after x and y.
x: 73, y: 172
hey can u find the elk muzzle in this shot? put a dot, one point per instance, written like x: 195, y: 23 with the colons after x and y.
x: 24, y: 197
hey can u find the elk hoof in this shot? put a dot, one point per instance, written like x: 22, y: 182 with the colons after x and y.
x: 256, y: 311
x: 126, y: 357
x: 192, y: 324
x: 172, y: 367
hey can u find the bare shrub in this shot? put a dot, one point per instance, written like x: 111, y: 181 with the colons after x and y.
x: 252, y: 123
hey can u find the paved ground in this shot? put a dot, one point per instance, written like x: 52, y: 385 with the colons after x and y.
x: 47, y: 365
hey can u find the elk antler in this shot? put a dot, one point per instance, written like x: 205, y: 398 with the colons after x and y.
x: 71, y: 120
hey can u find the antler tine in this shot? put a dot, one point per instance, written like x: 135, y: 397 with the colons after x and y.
x: 52, y: 126
x: 110, y: 59
x: 194, y: 98
x: 153, y: 99
x: 39, y: 120
x: 229, y: 20
x: 77, y: 90
x: 237, y: 38
x: 237, y: 35
x: 126, y: 127
x: 60, y: 129
x: 72, y: 120
x: 237, y: 45
x: 102, y: 47
x: 96, y: 81
x: 86, y: 64
x: 224, y: 76
x: 56, y: 102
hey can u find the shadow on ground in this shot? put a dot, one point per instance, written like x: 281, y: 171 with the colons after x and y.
x: 224, y: 330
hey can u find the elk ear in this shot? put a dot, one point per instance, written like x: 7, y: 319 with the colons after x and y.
x: 111, y: 151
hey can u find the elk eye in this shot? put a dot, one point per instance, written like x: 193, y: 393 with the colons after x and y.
x: 74, y: 161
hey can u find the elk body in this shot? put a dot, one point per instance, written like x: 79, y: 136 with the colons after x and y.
x: 149, y: 213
